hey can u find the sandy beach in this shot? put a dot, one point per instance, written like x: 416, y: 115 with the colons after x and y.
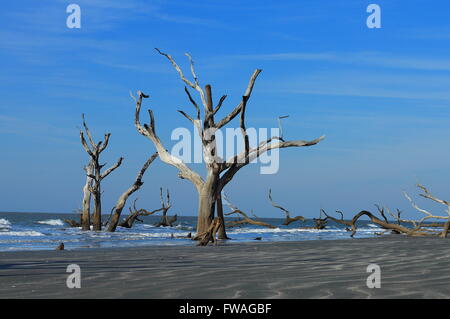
x: 410, y: 268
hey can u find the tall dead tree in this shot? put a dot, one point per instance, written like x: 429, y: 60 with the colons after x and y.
x: 288, y: 219
x: 94, y: 150
x: 112, y: 225
x: 218, y: 172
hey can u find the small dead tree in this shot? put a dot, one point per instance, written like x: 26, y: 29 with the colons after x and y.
x: 218, y: 172
x: 165, y: 220
x: 94, y: 150
x: 320, y: 222
x: 112, y: 225
x: 288, y: 219
x: 134, y: 215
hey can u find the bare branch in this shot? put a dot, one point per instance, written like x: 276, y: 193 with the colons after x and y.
x: 243, y: 129
x: 88, y: 132
x: 288, y: 219
x: 149, y: 132
x: 191, y: 62
x: 103, y: 144
x: 84, y: 144
x: 246, y: 219
x: 428, y: 195
x: 193, y: 102
x: 219, y: 105
x: 112, y: 168
x: 280, y: 127
x: 195, y: 85
x: 238, y: 108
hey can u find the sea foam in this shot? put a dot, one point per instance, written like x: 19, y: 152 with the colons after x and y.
x: 31, y: 233
x: 52, y: 222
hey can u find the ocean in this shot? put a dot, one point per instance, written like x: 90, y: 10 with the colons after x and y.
x: 44, y: 231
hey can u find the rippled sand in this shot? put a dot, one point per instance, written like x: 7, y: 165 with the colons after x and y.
x: 410, y: 268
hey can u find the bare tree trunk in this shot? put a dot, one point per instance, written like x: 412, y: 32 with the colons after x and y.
x: 97, y: 216
x: 85, y: 216
x: 222, y: 232
x: 210, y: 234
x: 207, y: 201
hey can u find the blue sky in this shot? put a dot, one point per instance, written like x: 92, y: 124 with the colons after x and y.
x: 381, y: 96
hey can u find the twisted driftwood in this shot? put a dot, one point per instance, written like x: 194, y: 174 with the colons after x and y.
x: 135, y: 214
x: 418, y: 228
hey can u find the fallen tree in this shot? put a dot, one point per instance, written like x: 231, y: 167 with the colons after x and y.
x: 417, y: 228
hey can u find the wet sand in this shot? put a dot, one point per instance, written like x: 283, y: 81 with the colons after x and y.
x: 410, y: 268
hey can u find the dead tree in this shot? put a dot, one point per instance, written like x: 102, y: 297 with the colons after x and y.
x: 288, y: 219
x: 320, y: 223
x: 112, y: 225
x: 244, y: 220
x: 338, y: 221
x: 218, y: 172
x: 417, y: 228
x: 134, y: 215
x: 94, y: 150
x: 72, y: 223
x: 165, y: 220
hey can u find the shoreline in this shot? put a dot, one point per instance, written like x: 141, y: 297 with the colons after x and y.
x: 410, y: 268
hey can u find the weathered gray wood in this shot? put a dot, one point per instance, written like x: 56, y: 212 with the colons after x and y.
x: 218, y: 172
x: 112, y: 225
x: 95, y: 173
